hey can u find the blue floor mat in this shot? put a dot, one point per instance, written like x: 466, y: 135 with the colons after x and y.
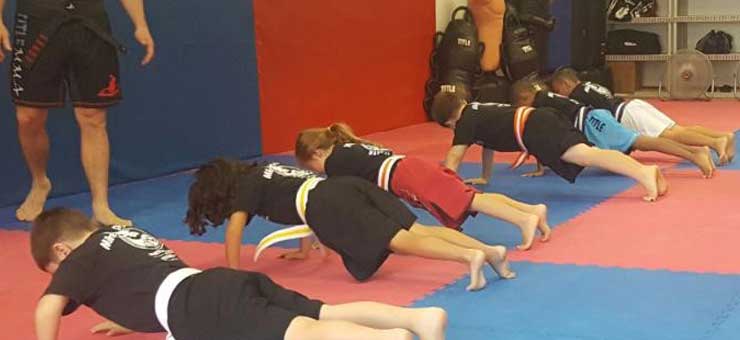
x: 572, y: 302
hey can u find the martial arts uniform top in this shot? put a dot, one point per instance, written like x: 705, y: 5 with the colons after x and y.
x: 599, y: 97
x: 490, y: 125
x: 361, y: 160
x: 571, y: 110
x: 270, y: 191
x: 116, y: 272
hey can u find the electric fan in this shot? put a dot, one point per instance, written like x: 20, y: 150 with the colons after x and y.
x: 688, y: 76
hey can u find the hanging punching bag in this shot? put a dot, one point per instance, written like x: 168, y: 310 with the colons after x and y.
x: 489, y: 18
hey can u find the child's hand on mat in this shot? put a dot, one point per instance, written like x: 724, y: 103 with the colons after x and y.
x: 476, y: 181
x: 4, y: 42
x: 110, y: 328
x: 536, y: 173
x: 294, y: 255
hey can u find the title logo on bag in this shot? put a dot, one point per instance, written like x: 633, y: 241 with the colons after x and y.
x: 464, y: 42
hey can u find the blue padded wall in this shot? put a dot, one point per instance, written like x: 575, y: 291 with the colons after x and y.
x: 197, y: 100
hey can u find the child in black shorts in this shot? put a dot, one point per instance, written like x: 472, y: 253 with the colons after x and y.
x: 603, y: 130
x: 541, y: 133
x: 129, y: 277
x: 349, y: 215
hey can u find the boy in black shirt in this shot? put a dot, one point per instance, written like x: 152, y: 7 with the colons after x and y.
x: 541, y: 133
x: 603, y: 130
x: 128, y: 276
x: 642, y: 117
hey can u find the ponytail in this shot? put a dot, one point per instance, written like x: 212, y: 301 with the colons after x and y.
x: 310, y: 140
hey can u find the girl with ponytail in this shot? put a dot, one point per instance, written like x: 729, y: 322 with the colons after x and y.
x: 336, y: 151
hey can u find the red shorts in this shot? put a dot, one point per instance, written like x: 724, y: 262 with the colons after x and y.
x: 434, y: 188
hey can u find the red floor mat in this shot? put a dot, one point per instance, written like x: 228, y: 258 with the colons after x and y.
x: 694, y: 228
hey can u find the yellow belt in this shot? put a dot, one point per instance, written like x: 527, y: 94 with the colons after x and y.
x: 296, y: 232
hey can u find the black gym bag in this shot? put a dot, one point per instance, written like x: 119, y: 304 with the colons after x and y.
x: 519, y: 51
x: 455, y: 58
x: 633, y: 42
x: 715, y: 42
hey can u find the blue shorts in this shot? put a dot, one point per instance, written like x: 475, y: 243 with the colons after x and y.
x: 605, y: 132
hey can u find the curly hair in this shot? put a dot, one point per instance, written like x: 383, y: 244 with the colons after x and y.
x: 212, y: 193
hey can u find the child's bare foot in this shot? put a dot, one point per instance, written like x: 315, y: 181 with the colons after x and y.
x: 662, y: 183
x: 704, y: 162
x: 649, y: 180
x: 496, y: 258
x: 724, y: 145
x: 731, y: 148
x: 529, y: 229
x: 477, y: 279
x: 34, y: 203
x: 105, y: 216
x: 431, y: 324
x: 542, y: 225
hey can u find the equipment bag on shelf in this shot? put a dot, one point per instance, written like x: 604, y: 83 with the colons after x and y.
x: 633, y: 42
x: 715, y: 42
x: 626, y: 10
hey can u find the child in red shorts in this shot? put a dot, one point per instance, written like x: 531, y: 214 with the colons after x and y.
x: 336, y: 151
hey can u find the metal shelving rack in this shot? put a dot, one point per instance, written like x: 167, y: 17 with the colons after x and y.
x: 675, y: 19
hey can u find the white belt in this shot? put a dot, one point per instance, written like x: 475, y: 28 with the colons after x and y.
x: 520, y: 120
x: 164, y: 293
x: 384, y: 173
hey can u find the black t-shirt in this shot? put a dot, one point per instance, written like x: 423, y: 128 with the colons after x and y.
x: 490, y: 125
x: 596, y: 96
x: 359, y: 160
x: 565, y: 107
x: 116, y: 272
x: 269, y: 191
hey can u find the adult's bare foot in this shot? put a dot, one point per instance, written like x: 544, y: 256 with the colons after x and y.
x: 35, y: 200
x: 107, y: 217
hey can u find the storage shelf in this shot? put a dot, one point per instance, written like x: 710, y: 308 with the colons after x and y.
x: 724, y: 57
x: 637, y: 57
x: 707, y: 18
x: 644, y: 21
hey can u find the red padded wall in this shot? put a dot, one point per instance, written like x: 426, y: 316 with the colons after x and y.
x: 320, y: 61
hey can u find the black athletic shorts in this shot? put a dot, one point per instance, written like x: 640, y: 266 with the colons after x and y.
x: 548, y: 137
x: 228, y: 304
x: 71, y: 59
x: 358, y: 220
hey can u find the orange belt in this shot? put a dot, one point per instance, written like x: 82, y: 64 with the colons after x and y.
x: 520, y: 120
